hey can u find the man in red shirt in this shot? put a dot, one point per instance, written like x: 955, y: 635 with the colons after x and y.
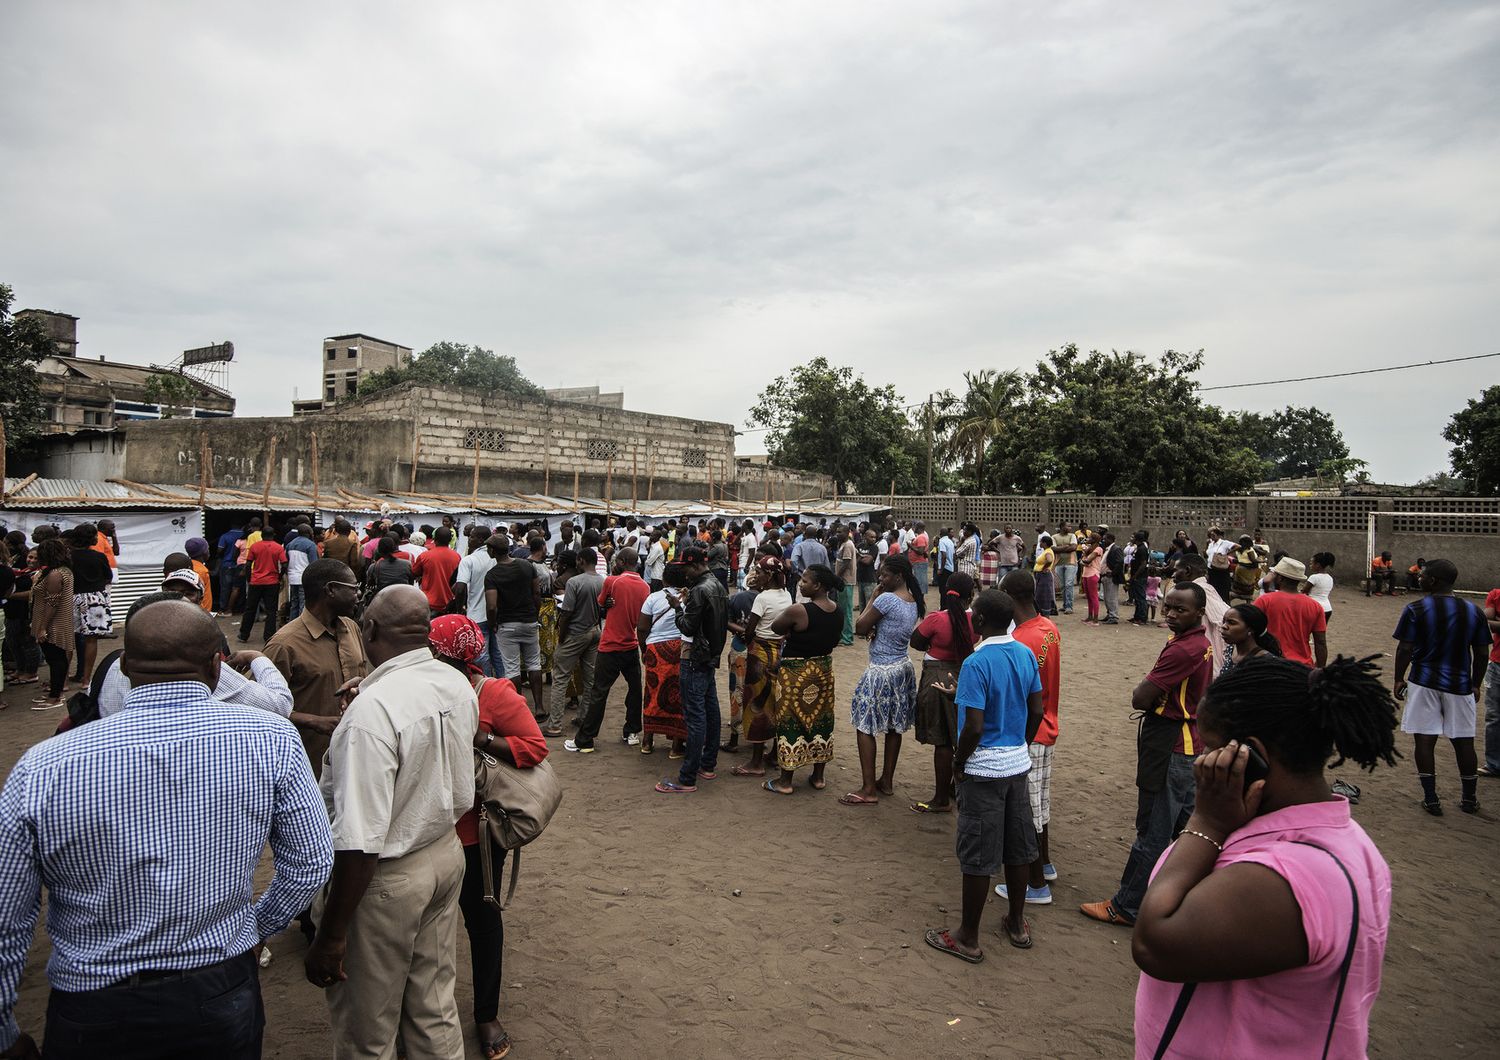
x: 1168, y: 741
x: 266, y: 559
x: 1041, y: 635
x: 619, y: 656
x: 434, y: 570
x: 1292, y: 617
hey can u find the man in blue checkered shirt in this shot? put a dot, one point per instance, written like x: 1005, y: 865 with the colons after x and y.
x: 146, y: 828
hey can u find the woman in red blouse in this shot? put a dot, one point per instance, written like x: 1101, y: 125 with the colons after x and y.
x: 508, y: 731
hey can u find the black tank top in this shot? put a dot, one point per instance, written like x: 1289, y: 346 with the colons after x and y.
x: 823, y: 631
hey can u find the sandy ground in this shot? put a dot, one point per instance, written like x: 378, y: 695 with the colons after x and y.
x: 736, y: 922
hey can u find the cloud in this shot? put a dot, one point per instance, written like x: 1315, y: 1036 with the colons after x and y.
x: 627, y: 195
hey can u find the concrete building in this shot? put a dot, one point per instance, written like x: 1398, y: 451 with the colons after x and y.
x: 88, y: 394
x: 346, y: 360
x: 586, y: 395
x: 520, y: 446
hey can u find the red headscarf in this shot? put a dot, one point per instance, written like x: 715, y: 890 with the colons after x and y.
x: 457, y: 637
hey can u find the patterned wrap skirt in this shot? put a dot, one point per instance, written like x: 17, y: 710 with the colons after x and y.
x: 758, y: 704
x: 546, y: 633
x: 804, y: 712
x: 91, y: 617
x: 885, y: 698
x: 937, y: 717
x: 736, y: 681
x: 661, y: 705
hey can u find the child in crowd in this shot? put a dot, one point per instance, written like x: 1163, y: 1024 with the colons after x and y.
x: 1153, y: 591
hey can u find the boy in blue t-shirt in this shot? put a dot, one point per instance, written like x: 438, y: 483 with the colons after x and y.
x: 999, y: 699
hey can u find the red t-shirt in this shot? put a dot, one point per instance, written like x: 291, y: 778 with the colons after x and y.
x: 1292, y: 618
x: 504, y: 712
x: 264, y: 557
x: 1041, y: 636
x: 916, y: 549
x: 630, y: 593
x: 1183, y: 671
x: 1492, y: 601
x: 937, y: 627
x: 435, y: 569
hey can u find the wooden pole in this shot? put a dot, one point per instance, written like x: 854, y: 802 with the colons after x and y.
x: 265, y: 494
x: 547, y: 458
x: 2, y: 463
x: 893, y: 500
x: 609, y: 485
x: 317, y: 504
x: 651, y: 476
x: 416, y: 455
x: 635, y: 498
x: 710, y: 483
x: 474, y: 492
x: 577, y: 514
x: 202, y: 466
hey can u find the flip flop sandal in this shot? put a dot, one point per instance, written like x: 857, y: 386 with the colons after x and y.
x: 943, y: 942
x: 671, y: 787
x: 927, y: 807
x: 854, y: 798
x: 773, y: 789
x: 497, y: 1049
x: 1023, y: 940
x: 746, y: 771
x: 646, y: 748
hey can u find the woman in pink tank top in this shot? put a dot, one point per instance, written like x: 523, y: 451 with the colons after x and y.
x: 1264, y: 927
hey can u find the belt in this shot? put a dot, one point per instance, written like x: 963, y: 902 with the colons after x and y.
x: 162, y: 975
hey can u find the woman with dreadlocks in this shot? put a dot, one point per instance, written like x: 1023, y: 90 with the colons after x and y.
x: 1266, y: 919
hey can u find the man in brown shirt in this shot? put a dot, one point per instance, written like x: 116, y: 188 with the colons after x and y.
x: 320, y: 652
x: 342, y: 544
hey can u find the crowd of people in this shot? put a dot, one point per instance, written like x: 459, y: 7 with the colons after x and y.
x: 342, y: 743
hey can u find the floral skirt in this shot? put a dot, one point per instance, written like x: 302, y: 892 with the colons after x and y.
x: 758, y: 704
x: 547, y: 630
x: 661, y: 705
x: 736, y: 685
x: 91, y: 617
x: 804, y: 712
x: 885, y: 698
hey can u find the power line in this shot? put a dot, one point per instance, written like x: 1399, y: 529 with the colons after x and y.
x: 1341, y: 375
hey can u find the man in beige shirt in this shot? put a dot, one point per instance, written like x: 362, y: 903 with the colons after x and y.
x: 398, y: 775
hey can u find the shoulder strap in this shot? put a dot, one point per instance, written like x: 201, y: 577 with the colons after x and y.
x: 101, y: 671
x: 1178, y: 1011
x: 1338, y: 997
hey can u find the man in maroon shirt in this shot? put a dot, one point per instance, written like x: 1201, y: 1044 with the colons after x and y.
x: 1165, y: 747
x: 434, y: 571
x: 619, y: 652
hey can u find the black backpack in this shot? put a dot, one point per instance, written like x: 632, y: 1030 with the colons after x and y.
x: 83, y: 707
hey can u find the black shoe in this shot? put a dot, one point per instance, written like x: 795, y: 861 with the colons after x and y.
x: 1469, y: 805
x: 1433, y: 806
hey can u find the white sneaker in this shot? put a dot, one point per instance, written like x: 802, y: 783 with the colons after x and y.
x: 572, y: 745
x: 634, y: 739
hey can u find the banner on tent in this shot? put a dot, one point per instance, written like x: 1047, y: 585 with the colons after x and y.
x: 146, y: 538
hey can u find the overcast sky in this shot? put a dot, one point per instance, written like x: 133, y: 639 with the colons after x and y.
x: 685, y: 199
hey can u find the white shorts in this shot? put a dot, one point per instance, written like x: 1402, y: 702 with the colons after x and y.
x: 1432, y: 713
x: 1039, y: 784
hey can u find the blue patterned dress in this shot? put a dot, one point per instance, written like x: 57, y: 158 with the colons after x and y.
x: 886, y: 695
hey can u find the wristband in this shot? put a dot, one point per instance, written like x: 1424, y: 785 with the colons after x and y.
x: 1217, y: 845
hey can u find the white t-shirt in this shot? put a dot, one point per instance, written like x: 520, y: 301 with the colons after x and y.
x: 412, y: 551
x: 769, y: 604
x: 663, y: 618
x: 656, y: 561
x: 1318, y: 587
x: 471, y: 571
x: 747, y: 551
x: 1221, y: 547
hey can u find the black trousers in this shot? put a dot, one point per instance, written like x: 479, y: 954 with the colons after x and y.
x: 486, y: 933
x: 612, y: 664
x: 256, y: 597
x: 942, y: 583
x: 57, y: 667
x: 208, y: 1012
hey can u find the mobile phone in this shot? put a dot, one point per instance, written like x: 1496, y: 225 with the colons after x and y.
x: 1256, y: 768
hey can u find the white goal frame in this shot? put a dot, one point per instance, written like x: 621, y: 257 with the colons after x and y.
x: 1372, y: 516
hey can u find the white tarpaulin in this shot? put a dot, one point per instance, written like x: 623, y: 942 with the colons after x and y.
x: 146, y: 538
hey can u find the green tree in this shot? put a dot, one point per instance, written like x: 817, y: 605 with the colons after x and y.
x: 23, y: 343
x: 828, y: 419
x: 171, y: 391
x: 1298, y: 443
x: 1474, y: 431
x: 457, y: 364
x: 984, y: 417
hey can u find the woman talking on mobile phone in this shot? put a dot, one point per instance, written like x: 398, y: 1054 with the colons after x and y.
x: 1265, y: 924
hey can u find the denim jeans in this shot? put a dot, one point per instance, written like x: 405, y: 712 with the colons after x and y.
x: 1006, y: 568
x: 846, y: 609
x: 866, y: 591
x: 919, y: 571
x: 700, y: 710
x: 226, y: 588
x: 214, y: 1011
x: 294, y: 601
x: 1159, y: 816
x: 1492, y: 716
x: 1138, y: 598
x: 1067, y: 576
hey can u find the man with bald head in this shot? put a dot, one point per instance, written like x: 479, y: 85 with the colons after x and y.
x: 146, y: 827
x: 398, y: 775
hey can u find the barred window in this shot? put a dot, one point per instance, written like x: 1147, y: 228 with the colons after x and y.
x: 694, y: 457
x: 603, y: 449
x: 487, y: 438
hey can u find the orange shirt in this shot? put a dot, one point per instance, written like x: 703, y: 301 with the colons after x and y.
x: 102, y: 546
x: 208, y: 586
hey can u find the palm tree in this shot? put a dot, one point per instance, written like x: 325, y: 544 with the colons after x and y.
x: 987, y: 404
